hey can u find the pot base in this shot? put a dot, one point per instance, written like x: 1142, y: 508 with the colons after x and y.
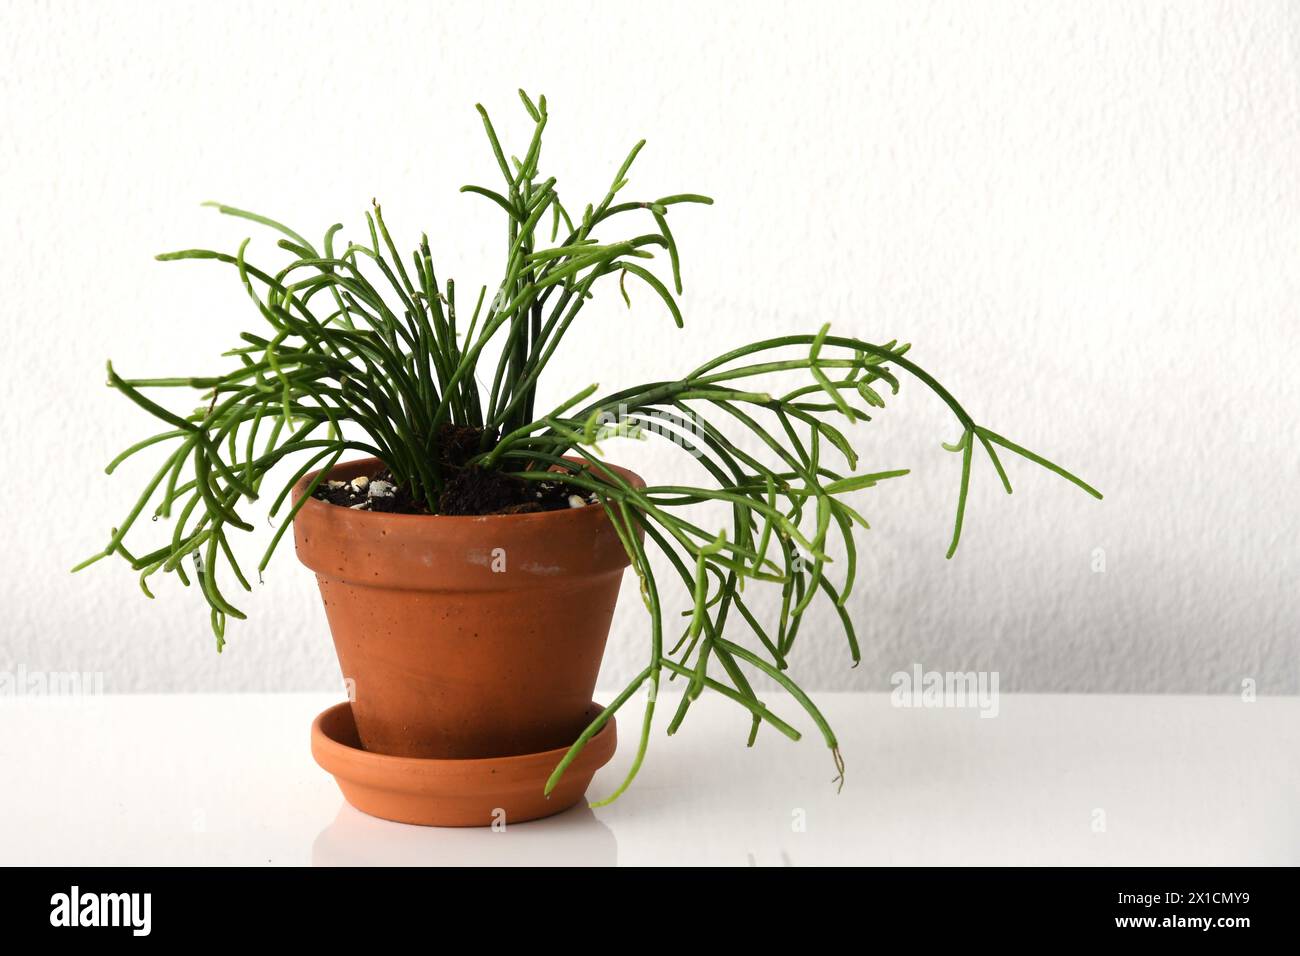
x: 453, y: 793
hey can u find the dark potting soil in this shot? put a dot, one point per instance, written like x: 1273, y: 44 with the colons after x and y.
x: 378, y: 491
x: 467, y: 491
x: 473, y: 491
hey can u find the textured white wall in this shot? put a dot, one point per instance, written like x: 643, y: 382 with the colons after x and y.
x: 1086, y: 217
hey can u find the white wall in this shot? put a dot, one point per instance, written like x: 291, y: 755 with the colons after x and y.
x: 1086, y: 217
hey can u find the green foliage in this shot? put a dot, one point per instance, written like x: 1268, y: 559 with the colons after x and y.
x: 360, y: 351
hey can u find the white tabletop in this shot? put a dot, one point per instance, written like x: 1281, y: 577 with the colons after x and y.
x: 1052, y: 779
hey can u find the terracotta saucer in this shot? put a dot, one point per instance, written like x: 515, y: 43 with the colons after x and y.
x: 452, y: 793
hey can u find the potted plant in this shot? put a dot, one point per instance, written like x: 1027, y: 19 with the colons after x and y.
x: 470, y: 560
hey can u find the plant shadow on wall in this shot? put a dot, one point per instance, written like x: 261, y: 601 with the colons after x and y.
x: 355, y: 336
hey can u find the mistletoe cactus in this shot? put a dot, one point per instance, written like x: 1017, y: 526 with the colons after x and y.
x: 361, y: 350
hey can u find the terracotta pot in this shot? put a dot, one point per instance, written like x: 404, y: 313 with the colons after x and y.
x: 464, y: 637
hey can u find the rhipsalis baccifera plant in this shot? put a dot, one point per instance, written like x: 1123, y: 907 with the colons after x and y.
x: 359, y: 349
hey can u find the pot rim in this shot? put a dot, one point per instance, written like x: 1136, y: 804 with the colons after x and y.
x: 361, y: 464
